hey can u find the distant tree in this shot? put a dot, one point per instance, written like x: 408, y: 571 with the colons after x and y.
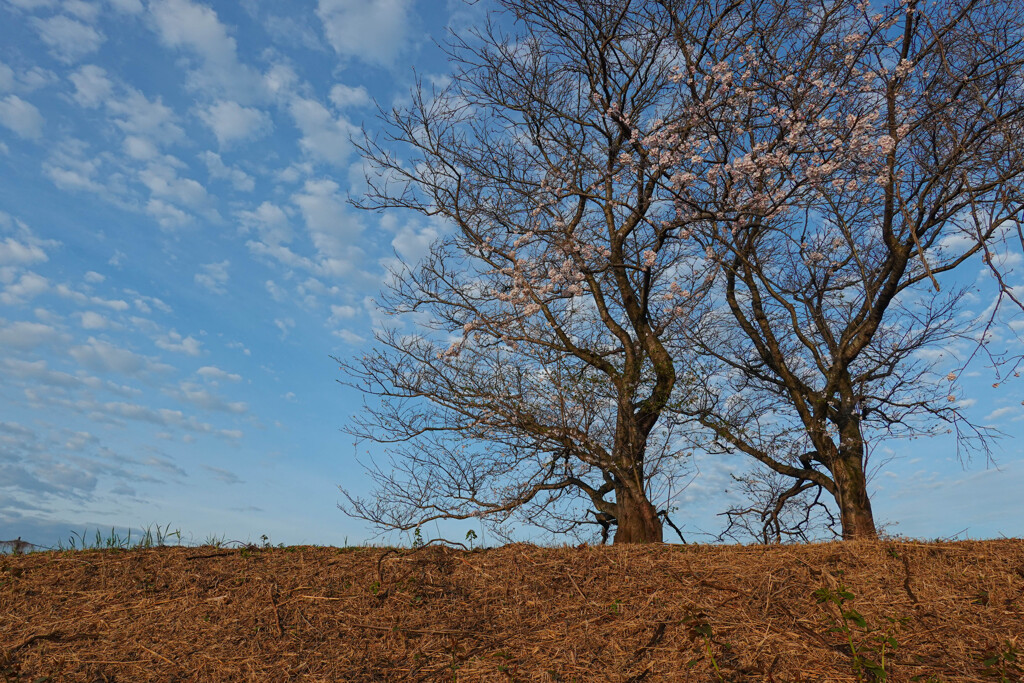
x: 544, y: 370
x: 854, y: 155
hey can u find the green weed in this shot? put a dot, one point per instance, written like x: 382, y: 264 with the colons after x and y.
x: 150, y: 538
x: 699, y: 627
x: 1004, y: 663
x: 871, y: 645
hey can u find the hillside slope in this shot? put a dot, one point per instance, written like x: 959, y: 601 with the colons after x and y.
x: 924, y: 611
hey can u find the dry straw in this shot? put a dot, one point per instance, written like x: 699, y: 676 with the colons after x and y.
x: 828, y: 612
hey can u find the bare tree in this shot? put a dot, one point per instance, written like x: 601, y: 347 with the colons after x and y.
x: 856, y: 155
x: 543, y: 374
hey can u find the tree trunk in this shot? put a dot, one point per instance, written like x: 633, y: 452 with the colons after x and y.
x: 852, y: 496
x: 637, y: 519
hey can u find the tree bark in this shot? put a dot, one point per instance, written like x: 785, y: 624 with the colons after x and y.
x: 855, y: 514
x: 637, y: 519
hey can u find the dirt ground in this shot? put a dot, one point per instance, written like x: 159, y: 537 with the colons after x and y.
x: 908, y: 611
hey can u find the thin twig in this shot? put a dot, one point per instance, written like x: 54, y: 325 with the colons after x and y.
x: 156, y: 654
x: 277, y: 613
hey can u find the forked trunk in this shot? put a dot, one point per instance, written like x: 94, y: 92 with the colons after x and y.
x: 637, y: 519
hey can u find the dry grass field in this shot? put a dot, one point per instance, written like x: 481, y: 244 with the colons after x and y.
x: 898, y: 611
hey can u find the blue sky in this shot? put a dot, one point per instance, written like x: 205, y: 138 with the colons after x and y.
x: 178, y: 262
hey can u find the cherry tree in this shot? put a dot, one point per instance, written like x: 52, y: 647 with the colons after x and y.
x: 719, y: 224
x: 540, y: 379
x: 854, y: 157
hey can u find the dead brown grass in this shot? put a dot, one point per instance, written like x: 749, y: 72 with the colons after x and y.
x: 514, y: 613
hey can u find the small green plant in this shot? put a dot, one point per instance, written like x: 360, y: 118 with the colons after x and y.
x: 159, y: 538
x: 114, y: 541
x: 615, y: 607
x: 417, y: 539
x: 868, y: 650
x: 215, y: 542
x: 470, y: 537
x: 699, y: 627
x: 1004, y: 663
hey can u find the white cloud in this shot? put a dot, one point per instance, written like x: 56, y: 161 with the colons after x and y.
x: 22, y: 117
x: 15, y: 253
x: 323, y: 208
x: 102, y: 356
x: 270, y: 221
x: 412, y: 243
x: 93, y: 277
x: 374, y: 31
x: 332, y: 231
x: 173, y: 341
x: 283, y: 255
x: 184, y: 24
x: 241, y: 180
x: 213, y: 276
x: 32, y: 5
x: 69, y: 40
x: 80, y: 298
x: 92, y: 87
x: 91, y: 320
x: 35, y: 77
x: 286, y: 325
x: 342, y: 312
x: 1001, y: 412
x: 24, y: 336
x: 41, y: 375
x: 27, y: 287
x: 213, y: 373
x: 275, y: 292
x: 168, y: 217
x: 240, y: 346
x: 6, y: 78
x: 344, y: 96
x: 349, y: 337
x: 293, y: 31
x: 24, y: 79
x: 140, y: 148
x: 280, y: 80
x: 132, y: 112
x: 71, y: 166
x: 223, y: 475
x: 203, y: 398
x: 86, y: 11
x: 151, y: 119
x: 163, y: 181
x: 134, y: 411
x: 324, y: 137
x: 126, y: 6
x: 231, y: 122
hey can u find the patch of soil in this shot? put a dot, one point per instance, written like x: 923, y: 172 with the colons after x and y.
x: 823, y: 612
